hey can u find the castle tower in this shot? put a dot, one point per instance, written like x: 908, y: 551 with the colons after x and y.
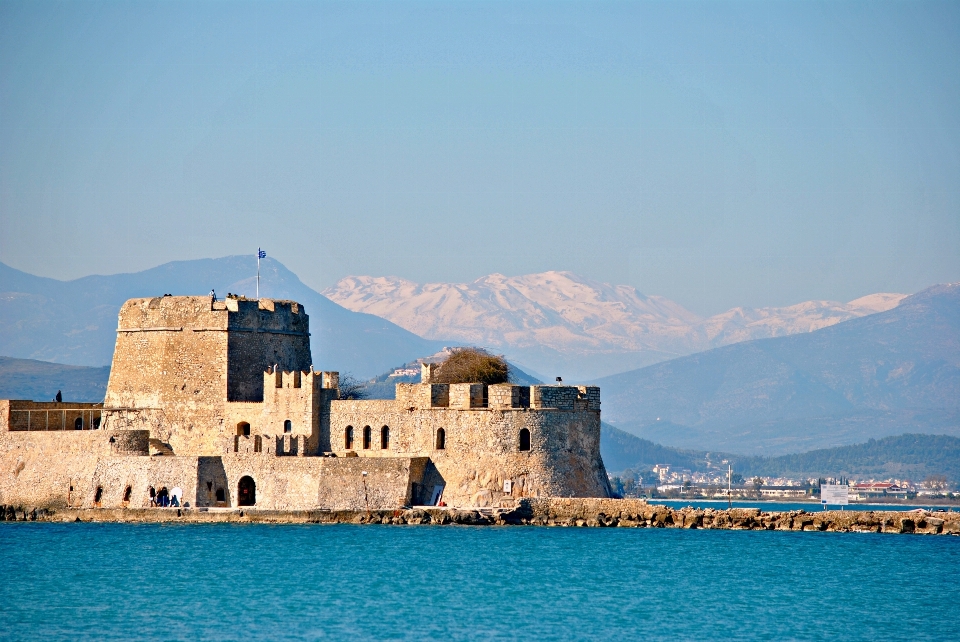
x: 180, y: 360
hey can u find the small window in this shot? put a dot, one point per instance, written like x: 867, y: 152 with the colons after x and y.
x: 287, y: 426
x: 366, y: 437
x: 348, y: 438
x: 243, y: 429
x: 384, y: 438
x: 98, y: 497
x: 524, y: 439
x: 78, y: 424
x: 441, y: 439
x: 126, y: 493
x: 221, y: 495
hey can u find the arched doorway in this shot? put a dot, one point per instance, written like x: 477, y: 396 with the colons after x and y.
x: 246, y: 491
x: 243, y: 429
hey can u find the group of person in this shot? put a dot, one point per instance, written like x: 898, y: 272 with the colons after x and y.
x: 163, y: 498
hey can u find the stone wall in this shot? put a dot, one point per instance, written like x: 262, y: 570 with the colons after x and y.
x: 19, y: 415
x: 264, y: 334
x: 112, y: 470
x: 178, y: 360
x: 482, y: 445
x: 57, y: 468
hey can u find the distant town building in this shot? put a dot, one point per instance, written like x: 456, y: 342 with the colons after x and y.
x: 873, y: 490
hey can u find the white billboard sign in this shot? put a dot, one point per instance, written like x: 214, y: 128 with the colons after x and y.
x: 834, y: 494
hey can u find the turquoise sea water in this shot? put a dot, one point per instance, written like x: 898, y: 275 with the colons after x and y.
x: 221, y: 581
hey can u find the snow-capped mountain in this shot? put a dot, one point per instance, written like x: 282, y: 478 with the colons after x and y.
x: 559, y: 322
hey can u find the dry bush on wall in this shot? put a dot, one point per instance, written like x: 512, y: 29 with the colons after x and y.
x: 472, y: 365
x: 352, y: 388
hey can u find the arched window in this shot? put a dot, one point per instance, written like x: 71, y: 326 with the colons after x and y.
x: 243, y: 429
x: 287, y: 426
x: 524, y: 439
x: 348, y: 438
x: 441, y: 439
x: 78, y: 424
x: 384, y: 438
x: 246, y: 491
x: 366, y: 437
x: 126, y: 494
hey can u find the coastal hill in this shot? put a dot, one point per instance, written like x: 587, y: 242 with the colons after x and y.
x: 40, y: 380
x: 559, y: 323
x: 75, y: 322
x: 910, y: 456
x: 885, y: 374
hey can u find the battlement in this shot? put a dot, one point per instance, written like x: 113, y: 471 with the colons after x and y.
x: 307, y: 379
x: 202, y: 314
x: 504, y: 396
x: 565, y: 397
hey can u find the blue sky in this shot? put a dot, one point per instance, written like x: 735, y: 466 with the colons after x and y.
x: 719, y: 153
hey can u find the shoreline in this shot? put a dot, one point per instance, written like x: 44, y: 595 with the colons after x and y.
x: 558, y: 512
x: 850, y: 506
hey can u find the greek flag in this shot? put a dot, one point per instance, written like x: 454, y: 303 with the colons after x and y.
x: 261, y: 254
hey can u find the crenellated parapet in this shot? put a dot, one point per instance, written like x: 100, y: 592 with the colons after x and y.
x: 477, y: 396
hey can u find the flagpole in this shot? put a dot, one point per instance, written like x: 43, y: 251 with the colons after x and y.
x: 258, y: 274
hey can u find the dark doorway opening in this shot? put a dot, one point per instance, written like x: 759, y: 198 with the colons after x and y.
x: 348, y: 438
x: 78, y: 424
x: 98, y: 496
x: 243, y: 429
x: 524, y: 439
x: 366, y: 437
x: 221, y: 495
x: 246, y: 491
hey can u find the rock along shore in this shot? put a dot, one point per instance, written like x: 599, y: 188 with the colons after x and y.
x: 534, y: 512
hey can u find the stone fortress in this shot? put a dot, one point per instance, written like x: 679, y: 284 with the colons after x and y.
x: 220, y: 399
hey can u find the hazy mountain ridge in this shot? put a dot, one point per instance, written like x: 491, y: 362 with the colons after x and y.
x: 561, y: 322
x: 889, y: 373
x: 40, y: 381
x: 74, y: 322
x: 912, y: 456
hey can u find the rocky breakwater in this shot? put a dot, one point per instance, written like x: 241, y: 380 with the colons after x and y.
x: 536, y: 512
x: 638, y: 514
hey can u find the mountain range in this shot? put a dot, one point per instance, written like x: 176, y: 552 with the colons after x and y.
x: 74, y: 322
x: 561, y: 323
x: 910, y: 456
x: 889, y: 373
